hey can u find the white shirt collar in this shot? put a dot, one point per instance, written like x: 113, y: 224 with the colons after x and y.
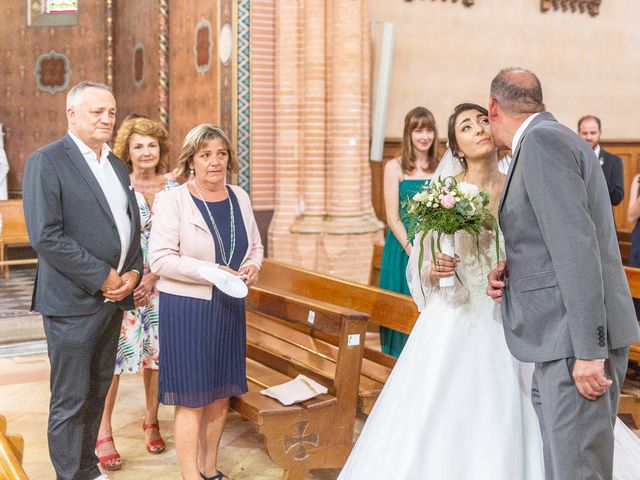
x: 597, y: 150
x: 520, y: 131
x: 86, y: 150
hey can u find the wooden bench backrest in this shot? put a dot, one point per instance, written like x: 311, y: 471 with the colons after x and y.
x: 13, y: 224
x: 347, y: 325
x: 384, y: 308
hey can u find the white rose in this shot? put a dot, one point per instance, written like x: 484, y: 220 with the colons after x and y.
x: 468, y: 189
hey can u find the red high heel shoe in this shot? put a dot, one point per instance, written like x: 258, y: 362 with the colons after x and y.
x: 154, y: 446
x: 110, y: 461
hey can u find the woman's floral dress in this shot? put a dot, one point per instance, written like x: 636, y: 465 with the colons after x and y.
x: 138, y: 344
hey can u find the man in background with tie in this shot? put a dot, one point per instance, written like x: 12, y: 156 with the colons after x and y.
x: 590, y: 129
x: 83, y: 222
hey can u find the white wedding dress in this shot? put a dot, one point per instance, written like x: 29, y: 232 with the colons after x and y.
x: 457, y: 404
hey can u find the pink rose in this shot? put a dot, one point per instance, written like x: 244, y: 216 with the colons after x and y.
x: 448, y: 201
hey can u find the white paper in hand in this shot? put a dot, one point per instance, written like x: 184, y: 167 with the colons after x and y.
x: 225, y: 281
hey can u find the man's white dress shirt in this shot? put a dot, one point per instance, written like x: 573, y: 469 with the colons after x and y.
x: 113, y: 191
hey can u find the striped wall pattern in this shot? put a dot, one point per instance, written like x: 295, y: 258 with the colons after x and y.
x: 262, y: 91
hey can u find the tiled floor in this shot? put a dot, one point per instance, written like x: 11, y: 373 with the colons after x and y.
x: 15, y: 293
x: 24, y: 397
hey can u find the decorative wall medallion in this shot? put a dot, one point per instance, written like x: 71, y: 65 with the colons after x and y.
x: 203, y: 45
x: 225, y: 44
x: 137, y: 64
x: 590, y: 6
x: 52, y: 72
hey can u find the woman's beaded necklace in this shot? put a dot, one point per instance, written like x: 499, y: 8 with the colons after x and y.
x: 225, y: 260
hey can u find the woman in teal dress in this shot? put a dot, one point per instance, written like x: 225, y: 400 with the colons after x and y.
x: 404, y: 177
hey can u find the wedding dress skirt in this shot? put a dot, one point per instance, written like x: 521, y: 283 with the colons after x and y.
x: 457, y: 404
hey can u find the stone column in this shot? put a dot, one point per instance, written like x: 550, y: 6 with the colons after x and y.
x: 351, y: 227
x: 334, y: 226
x: 288, y: 145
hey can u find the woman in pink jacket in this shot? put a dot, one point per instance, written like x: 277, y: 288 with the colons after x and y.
x: 204, y: 222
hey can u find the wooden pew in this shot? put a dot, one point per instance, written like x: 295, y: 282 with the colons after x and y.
x: 317, y: 433
x: 14, y: 234
x: 630, y: 397
x: 384, y: 308
x: 11, y: 449
x: 376, y: 265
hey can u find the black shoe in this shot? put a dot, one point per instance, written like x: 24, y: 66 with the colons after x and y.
x: 218, y: 476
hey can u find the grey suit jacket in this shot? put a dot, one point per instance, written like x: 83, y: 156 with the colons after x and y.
x: 566, y: 291
x: 73, y: 231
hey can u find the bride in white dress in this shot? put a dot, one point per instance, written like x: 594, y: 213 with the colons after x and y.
x: 457, y: 403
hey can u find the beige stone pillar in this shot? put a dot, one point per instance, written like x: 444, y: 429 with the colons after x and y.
x: 288, y: 145
x: 351, y: 227
x: 334, y: 228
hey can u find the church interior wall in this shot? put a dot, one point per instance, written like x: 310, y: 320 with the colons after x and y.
x: 136, y: 54
x: 446, y: 53
x: 34, y: 117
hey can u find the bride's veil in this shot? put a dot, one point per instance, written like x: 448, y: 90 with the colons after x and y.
x: 449, y: 166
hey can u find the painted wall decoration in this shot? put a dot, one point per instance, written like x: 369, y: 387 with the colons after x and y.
x: 137, y: 64
x: 243, y: 112
x: 225, y: 44
x: 52, y: 13
x: 52, y: 72
x: 62, y: 6
x: 203, y: 46
x: 590, y: 6
x: 226, y: 77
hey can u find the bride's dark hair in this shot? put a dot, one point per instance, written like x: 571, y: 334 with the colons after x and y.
x: 451, y: 132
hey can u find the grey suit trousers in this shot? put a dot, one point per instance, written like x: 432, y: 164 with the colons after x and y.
x: 577, y: 433
x: 82, y: 351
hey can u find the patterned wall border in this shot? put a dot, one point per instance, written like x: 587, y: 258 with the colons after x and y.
x: 243, y: 112
x: 109, y: 42
x: 163, y: 59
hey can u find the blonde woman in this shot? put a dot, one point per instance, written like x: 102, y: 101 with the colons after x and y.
x: 202, y: 330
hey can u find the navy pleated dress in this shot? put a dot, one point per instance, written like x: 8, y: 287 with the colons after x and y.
x: 203, y: 342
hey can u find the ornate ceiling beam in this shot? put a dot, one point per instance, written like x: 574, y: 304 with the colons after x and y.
x: 590, y: 6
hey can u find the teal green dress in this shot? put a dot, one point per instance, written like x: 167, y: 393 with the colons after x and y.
x: 394, y: 266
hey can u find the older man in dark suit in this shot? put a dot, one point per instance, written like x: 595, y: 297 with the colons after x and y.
x: 590, y: 129
x: 83, y: 222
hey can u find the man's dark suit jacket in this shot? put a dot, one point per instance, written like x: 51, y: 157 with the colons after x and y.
x: 73, y: 231
x: 612, y: 169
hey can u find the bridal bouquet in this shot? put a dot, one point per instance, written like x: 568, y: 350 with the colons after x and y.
x: 446, y: 207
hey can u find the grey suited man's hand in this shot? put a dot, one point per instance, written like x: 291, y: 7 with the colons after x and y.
x: 496, y: 285
x: 112, y: 282
x: 128, y: 283
x: 590, y: 379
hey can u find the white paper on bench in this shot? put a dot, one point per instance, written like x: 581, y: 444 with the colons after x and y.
x: 297, y: 390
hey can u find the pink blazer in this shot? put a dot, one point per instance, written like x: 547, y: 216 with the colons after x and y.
x: 180, y: 241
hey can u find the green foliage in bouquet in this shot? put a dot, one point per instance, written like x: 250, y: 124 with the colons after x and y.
x: 447, y: 206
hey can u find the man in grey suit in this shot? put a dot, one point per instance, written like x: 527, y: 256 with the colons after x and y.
x: 565, y: 299
x: 83, y: 222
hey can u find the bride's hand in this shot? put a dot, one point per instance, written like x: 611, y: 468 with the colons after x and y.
x: 445, y: 266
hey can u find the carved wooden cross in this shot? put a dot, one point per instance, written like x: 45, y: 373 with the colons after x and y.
x: 298, y: 442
